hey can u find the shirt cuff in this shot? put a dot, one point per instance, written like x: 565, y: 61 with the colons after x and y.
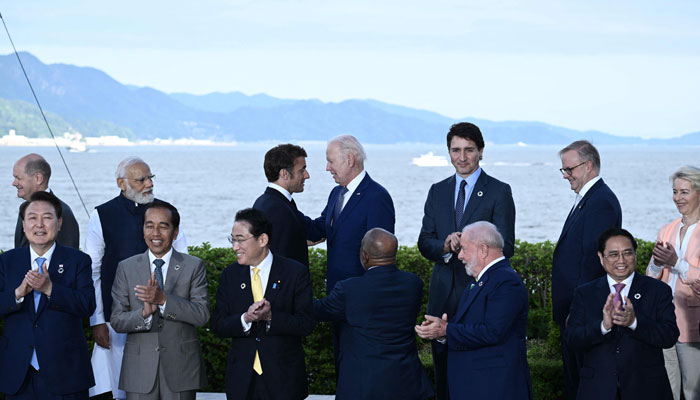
x: 634, y: 324
x: 147, y: 321
x: 603, y: 330
x: 20, y: 300
x: 655, y: 269
x: 447, y: 257
x: 161, y: 308
x: 246, y: 325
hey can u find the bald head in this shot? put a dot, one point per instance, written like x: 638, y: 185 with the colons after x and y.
x: 378, y: 248
x: 31, y: 174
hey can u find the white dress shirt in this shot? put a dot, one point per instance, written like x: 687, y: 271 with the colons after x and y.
x: 265, y: 266
x: 625, y: 293
x: 95, y: 248
x: 354, y: 183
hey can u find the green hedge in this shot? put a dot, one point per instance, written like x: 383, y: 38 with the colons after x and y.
x: 531, y: 260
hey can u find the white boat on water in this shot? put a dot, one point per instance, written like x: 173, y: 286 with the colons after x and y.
x: 430, y: 160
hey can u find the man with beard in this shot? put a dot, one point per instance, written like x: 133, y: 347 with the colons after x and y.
x: 115, y: 233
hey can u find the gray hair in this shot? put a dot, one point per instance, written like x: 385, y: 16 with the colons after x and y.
x: 690, y: 174
x: 484, y: 232
x: 586, y: 152
x: 126, y: 163
x: 348, y: 144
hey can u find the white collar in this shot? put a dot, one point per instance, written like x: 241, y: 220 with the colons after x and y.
x: 47, y: 255
x: 489, y: 265
x: 355, y: 182
x: 280, y: 189
x: 265, y: 264
x: 588, y: 186
x: 627, y: 281
x: 166, y: 256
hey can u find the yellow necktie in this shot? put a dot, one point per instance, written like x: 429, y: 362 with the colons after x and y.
x: 256, y: 287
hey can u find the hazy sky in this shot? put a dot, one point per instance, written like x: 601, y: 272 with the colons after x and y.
x: 624, y: 67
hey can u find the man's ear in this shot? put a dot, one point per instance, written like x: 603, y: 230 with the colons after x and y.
x: 121, y: 182
x: 263, y: 239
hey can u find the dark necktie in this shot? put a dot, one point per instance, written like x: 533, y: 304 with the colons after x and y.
x: 459, y: 208
x: 294, y: 205
x: 159, y: 272
x: 617, y: 300
x: 339, y: 203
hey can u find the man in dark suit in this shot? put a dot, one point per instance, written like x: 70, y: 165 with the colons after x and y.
x: 575, y: 261
x: 160, y: 298
x: 355, y: 206
x: 486, y: 337
x: 621, y: 322
x: 45, y: 294
x: 468, y: 196
x: 264, y: 304
x: 32, y: 174
x: 285, y: 169
x: 377, y: 312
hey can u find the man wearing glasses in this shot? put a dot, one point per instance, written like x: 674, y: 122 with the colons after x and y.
x: 575, y: 260
x: 264, y: 304
x: 115, y: 233
x: 621, y: 322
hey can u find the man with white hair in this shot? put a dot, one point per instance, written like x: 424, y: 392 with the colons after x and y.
x: 115, y: 233
x: 355, y: 206
x: 485, y: 338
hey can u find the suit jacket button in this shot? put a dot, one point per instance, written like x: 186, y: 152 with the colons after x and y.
x: 36, y: 325
x: 157, y: 348
x: 160, y: 325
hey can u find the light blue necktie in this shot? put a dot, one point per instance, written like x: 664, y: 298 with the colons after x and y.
x: 37, y: 298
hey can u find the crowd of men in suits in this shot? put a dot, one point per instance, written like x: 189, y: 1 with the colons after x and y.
x: 145, y: 296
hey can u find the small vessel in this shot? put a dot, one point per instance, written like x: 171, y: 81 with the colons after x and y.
x: 430, y: 160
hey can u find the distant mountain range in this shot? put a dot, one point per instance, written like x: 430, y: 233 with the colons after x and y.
x: 89, y: 101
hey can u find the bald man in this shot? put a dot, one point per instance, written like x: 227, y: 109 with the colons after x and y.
x: 31, y: 174
x: 376, y: 312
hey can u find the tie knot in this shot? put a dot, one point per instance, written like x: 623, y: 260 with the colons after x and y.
x: 40, y: 263
x: 256, y: 270
x: 343, y: 190
x: 462, y: 185
x: 158, y: 262
x: 618, y: 287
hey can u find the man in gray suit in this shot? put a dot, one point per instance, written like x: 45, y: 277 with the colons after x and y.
x: 31, y: 174
x: 162, y: 355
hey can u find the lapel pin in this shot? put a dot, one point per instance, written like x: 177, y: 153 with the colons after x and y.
x: 274, y: 285
x: 481, y: 283
x: 480, y: 193
x: 358, y: 193
x: 471, y: 286
x: 60, y: 268
x: 177, y: 267
x: 637, y: 296
x: 242, y: 285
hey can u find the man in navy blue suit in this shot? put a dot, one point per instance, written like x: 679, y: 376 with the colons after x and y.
x: 486, y: 357
x: 575, y: 260
x: 285, y: 169
x: 355, y: 206
x: 621, y: 322
x: 45, y: 293
x: 468, y: 196
x: 377, y: 312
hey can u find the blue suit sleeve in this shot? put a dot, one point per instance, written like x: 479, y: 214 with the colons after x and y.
x: 599, y: 218
x: 331, y: 308
x: 79, y: 301
x: 8, y: 305
x: 583, y: 331
x: 381, y: 212
x: 300, y: 322
x: 504, y: 304
x: 429, y: 245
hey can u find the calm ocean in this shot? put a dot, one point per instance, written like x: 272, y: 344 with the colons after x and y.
x: 209, y: 184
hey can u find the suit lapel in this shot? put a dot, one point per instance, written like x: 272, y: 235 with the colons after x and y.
x: 355, y: 198
x: 581, y: 204
x: 174, y: 268
x: 244, y: 279
x: 470, y: 295
x: 56, y: 259
x: 474, y: 199
x: 637, y: 290
x: 274, y: 280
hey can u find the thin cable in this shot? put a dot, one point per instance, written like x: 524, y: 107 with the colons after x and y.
x: 44, y: 116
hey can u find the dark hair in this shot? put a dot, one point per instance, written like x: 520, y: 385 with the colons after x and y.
x: 466, y: 130
x: 174, y: 215
x: 281, y: 157
x: 259, y: 224
x: 38, y: 165
x: 42, y: 196
x: 603, y: 239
